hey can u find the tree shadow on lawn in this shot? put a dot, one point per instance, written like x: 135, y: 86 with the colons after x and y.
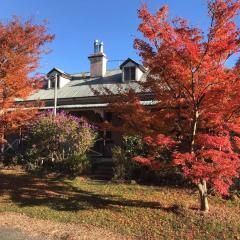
x: 25, y: 190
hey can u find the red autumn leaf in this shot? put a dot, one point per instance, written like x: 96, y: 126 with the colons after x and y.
x: 197, y: 98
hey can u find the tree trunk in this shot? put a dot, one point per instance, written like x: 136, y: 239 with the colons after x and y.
x: 196, y: 115
x: 202, y: 188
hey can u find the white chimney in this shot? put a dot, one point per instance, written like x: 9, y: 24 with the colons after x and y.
x: 98, y: 61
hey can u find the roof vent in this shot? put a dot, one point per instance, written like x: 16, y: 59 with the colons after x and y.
x: 101, y: 47
x: 96, y: 46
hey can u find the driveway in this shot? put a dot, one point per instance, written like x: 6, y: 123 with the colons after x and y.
x: 15, y: 226
x: 14, y: 234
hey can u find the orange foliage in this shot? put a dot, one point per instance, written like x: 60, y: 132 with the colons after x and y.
x: 21, y: 45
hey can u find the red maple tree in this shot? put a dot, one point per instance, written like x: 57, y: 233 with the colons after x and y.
x: 21, y: 45
x: 196, y: 115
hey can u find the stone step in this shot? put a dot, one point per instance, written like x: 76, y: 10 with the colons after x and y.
x: 102, y: 170
x: 101, y: 177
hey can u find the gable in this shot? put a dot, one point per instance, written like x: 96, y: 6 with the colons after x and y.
x: 58, y: 72
x: 131, y: 63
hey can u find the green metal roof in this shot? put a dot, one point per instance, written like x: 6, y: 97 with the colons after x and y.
x: 79, y: 86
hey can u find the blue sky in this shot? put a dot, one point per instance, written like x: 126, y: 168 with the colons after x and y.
x: 76, y: 23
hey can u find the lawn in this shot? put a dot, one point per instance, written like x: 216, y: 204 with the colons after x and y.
x: 144, y: 212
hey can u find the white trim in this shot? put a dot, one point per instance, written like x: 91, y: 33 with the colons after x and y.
x: 96, y: 105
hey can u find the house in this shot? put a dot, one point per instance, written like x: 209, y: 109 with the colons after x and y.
x: 74, y: 92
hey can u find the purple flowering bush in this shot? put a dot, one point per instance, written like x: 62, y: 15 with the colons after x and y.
x: 59, y: 142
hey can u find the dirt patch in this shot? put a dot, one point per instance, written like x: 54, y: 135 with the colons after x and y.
x: 49, y: 230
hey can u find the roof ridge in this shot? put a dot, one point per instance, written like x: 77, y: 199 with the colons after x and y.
x: 110, y: 70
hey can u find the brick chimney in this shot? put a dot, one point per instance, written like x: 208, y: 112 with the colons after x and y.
x: 98, y: 61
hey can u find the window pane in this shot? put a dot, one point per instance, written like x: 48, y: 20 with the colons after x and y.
x: 52, y: 83
x: 133, y: 73
x: 126, y: 73
x: 58, y: 82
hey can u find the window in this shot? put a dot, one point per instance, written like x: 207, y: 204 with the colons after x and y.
x: 53, y: 82
x: 129, y: 73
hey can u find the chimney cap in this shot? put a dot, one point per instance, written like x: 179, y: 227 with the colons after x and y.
x: 98, y: 47
x: 101, y: 47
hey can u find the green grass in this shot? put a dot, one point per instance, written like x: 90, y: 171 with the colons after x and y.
x: 142, y: 211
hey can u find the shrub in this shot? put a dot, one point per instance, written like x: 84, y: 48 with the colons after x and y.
x: 58, y: 143
x: 125, y: 168
x: 73, y: 165
x: 121, y: 169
